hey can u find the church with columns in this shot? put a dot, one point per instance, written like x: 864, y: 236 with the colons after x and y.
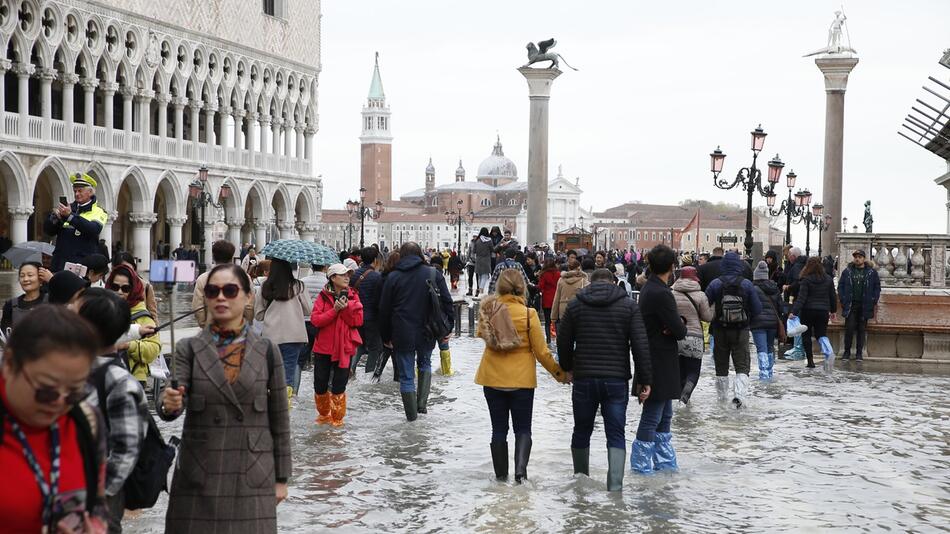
x: 141, y: 95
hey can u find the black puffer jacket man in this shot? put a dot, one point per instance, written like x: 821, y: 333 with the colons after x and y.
x: 600, y: 329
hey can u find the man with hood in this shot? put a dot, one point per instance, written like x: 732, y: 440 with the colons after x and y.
x: 859, y: 289
x: 712, y: 269
x: 484, y: 248
x: 736, y: 303
x: 404, y: 310
x: 599, y: 331
x: 776, y: 273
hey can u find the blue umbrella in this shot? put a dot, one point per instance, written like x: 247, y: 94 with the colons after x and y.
x: 291, y: 250
x: 326, y: 256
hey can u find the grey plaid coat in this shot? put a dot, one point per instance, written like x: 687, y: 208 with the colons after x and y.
x: 235, y: 441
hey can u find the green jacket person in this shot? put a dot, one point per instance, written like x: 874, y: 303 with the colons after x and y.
x: 76, y: 227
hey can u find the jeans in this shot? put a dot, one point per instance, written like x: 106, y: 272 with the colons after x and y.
x: 656, y: 417
x: 547, y: 324
x: 764, y: 340
x: 855, y: 323
x: 519, y: 403
x: 290, y: 352
x: 407, y: 361
x: 372, y: 346
x: 734, y: 343
x: 611, y: 395
x: 323, y: 367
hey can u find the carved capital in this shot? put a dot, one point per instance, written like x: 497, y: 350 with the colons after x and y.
x: 163, y: 99
x: 179, y: 102
x: 46, y: 75
x: 210, y: 108
x: 305, y: 228
x: 128, y: 92
x: 264, y: 119
x: 146, y: 94
x: 109, y: 88
x: 142, y: 218
x: 261, y: 225
x: 310, y: 130
x: 89, y: 84
x: 289, y: 124
x: 299, y: 128
x: 238, y: 113
x: 286, y: 226
x: 226, y: 110
x: 5, y: 65
x: 252, y: 115
x: 24, y: 69
x: 69, y: 78
x: 176, y: 221
x: 236, y: 222
x: 21, y: 213
x: 277, y: 121
x: 112, y: 216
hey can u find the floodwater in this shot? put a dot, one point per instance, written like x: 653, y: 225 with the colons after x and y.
x: 852, y: 450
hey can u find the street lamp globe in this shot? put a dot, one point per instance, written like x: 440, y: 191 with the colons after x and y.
x: 770, y: 200
x: 775, y: 169
x: 790, y: 178
x: 195, y: 188
x: 203, y: 174
x: 807, y: 197
x: 225, y: 192
x: 758, y: 139
x: 800, y: 198
x: 362, y: 193
x: 717, y: 158
x: 844, y: 224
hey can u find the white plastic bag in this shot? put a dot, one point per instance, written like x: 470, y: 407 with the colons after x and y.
x: 794, y: 327
x: 159, y: 369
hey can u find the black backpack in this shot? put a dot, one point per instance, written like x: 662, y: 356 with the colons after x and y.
x: 149, y: 477
x: 730, y: 308
x: 437, y: 324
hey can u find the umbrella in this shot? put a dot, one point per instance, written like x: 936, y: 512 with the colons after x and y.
x: 327, y: 256
x: 27, y: 252
x: 298, y: 251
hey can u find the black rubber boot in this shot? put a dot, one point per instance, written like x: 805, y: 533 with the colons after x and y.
x: 522, y: 454
x: 410, y: 406
x: 687, y: 391
x: 581, y: 459
x: 381, y: 365
x: 616, y: 460
x: 499, y: 459
x: 425, y: 383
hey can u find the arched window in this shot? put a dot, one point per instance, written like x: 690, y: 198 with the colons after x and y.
x: 707, y: 238
x: 512, y: 202
x: 486, y: 203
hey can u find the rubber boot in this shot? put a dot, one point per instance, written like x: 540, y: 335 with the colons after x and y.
x: 826, y: 348
x: 688, y: 388
x: 337, y: 409
x: 664, y: 456
x: 797, y: 352
x: 641, y: 456
x: 424, y: 384
x: 381, y: 364
x: 522, y: 454
x: 741, y: 390
x: 765, y: 370
x: 445, y: 357
x: 615, y: 461
x: 323, y: 407
x: 290, y: 396
x: 499, y: 459
x: 409, y: 405
x: 722, y: 388
x: 581, y: 458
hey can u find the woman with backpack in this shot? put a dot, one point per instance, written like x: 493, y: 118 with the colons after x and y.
x: 547, y: 284
x: 337, y: 314
x: 694, y: 307
x: 16, y: 308
x: 817, y: 301
x: 52, y: 444
x: 282, y: 306
x: 513, y: 345
x: 234, y: 459
x: 765, y: 325
x: 140, y: 352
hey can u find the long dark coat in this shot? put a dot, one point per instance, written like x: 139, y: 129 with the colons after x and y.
x: 660, y: 314
x: 235, y: 440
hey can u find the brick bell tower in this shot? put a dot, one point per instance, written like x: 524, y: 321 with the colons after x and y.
x: 376, y: 144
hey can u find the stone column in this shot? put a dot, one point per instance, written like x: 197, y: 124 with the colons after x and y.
x: 108, y: 101
x: 251, y: 139
x: 175, y: 225
x: 539, y: 93
x: 239, y: 115
x: 19, y: 219
x: 210, y: 110
x: 5, y: 65
x: 145, y: 117
x: 265, y: 134
x: 179, y: 104
x: 298, y: 152
x: 288, y: 137
x: 89, y: 116
x: 69, y: 83
x: 260, y: 234
x: 234, y: 232
x: 277, y: 122
x: 287, y: 230
x: 106, y: 232
x: 162, y: 99
x: 208, y: 241
x: 46, y: 77
x: 224, y: 113
x: 142, y: 237
x: 308, y: 147
x: 23, y: 72
x: 308, y: 232
x: 835, y: 68
x: 127, y: 94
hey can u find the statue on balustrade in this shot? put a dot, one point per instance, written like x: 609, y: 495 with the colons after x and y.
x: 868, y: 219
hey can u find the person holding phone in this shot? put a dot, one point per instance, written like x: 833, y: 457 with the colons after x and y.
x: 337, y: 315
x: 141, y: 352
x: 76, y: 226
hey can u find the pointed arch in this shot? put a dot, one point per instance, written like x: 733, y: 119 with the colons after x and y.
x: 105, y: 192
x: 280, y: 201
x: 56, y: 166
x: 234, y: 206
x: 16, y: 181
x: 303, y: 207
x: 171, y: 186
x: 142, y: 201
x: 43, y: 54
x: 255, y: 200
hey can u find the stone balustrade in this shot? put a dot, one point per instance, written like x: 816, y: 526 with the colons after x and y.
x: 902, y: 260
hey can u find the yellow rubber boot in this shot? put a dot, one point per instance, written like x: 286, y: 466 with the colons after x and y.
x: 446, y: 357
x: 323, y: 407
x: 290, y: 395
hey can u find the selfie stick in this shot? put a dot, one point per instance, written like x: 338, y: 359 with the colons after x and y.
x: 171, y: 310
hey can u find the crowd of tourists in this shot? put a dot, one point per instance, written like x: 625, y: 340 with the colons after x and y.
x: 79, y: 446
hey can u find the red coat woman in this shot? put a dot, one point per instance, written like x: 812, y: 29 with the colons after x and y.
x: 547, y: 285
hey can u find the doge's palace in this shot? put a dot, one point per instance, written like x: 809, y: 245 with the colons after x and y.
x: 141, y: 94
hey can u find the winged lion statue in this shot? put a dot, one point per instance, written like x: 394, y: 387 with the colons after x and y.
x: 541, y: 52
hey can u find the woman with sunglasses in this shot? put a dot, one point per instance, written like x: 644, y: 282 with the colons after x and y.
x: 52, y: 445
x: 140, y: 352
x: 15, y: 309
x: 234, y: 459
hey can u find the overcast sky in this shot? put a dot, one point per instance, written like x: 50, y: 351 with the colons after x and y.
x: 660, y: 85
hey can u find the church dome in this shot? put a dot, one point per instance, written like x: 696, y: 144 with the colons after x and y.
x: 497, y: 165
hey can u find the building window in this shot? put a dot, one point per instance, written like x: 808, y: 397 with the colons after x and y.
x: 512, y: 202
x: 654, y: 236
x: 275, y: 8
x: 486, y: 203
x: 707, y: 238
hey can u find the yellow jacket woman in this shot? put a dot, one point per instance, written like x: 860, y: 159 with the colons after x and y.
x: 141, y: 352
x: 510, y: 377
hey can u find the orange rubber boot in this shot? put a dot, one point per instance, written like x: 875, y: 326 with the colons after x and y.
x: 337, y: 409
x: 323, y: 407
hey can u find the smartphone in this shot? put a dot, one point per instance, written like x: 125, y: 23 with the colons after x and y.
x: 172, y: 271
x: 63, y: 201
x: 76, y: 268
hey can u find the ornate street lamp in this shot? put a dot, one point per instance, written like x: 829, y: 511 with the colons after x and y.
x: 352, y: 207
x: 844, y: 224
x: 457, y: 217
x: 790, y: 206
x: 198, y: 190
x: 750, y: 178
x: 359, y: 210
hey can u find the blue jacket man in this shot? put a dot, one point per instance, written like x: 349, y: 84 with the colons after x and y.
x: 859, y: 289
x: 367, y: 282
x: 76, y: 227
x: 404, y: 310
x: 732, y: 339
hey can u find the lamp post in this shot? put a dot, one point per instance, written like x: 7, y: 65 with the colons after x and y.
x: 750, y: 178
x: 822, y: 224
x: 198, y: 189
x: 789, y: 207
x: 457, y: 217
x: 361, y: 211
x: 802, y: 214
x: 351, y: 209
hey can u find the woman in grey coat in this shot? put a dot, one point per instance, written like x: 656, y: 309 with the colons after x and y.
x: 484, y: 248
x: 234, y: 459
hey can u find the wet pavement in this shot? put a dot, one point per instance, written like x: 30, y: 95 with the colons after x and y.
x: 851, y: 450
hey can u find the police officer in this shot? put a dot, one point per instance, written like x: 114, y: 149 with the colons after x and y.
x: 76, y: 226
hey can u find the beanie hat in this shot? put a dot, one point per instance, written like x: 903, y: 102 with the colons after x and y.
x: 689, y: 273
x: 63, y: 286
x: 761, y: 271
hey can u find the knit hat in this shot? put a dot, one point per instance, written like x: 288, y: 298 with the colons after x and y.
x: 761, y: 271
x: 689, y: 273
x: 63, y: 286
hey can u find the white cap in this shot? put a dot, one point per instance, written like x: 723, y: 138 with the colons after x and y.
x: 336, y: 268
x: 350, y: 264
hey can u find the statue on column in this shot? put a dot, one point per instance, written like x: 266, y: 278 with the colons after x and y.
x: 539, y: 52
x: 834, y: 38
x: 868, y: 219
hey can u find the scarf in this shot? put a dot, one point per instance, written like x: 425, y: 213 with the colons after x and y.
x: 230, y: 345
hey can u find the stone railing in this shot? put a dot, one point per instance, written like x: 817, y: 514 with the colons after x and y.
x: 902, y: 260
